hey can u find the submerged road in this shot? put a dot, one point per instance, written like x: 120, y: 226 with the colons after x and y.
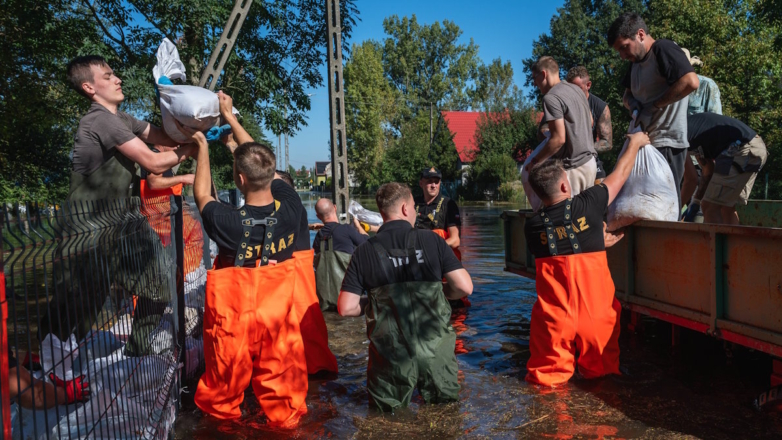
x: 697, y: 389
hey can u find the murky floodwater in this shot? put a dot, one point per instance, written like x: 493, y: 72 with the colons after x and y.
x: 693, y: 390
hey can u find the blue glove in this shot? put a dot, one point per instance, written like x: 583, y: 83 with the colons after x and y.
x: 215, y: 133
x: 162, y: 80
x: 692, y: 211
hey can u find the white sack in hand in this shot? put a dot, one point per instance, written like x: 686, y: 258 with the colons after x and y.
x: 648, y: 194
x: 194, y: 107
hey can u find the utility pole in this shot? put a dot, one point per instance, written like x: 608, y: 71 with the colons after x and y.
x: 339, y: 158
x: 225, y: 45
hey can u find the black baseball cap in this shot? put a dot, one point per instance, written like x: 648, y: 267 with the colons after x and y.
x: 431, y: 172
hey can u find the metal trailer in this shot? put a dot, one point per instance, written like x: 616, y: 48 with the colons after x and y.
x: 724, y: 281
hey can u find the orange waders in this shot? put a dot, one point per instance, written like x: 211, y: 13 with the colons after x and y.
x: 576, y: 311
x: 251, y: 335
x: 157, y: 209
x: 311, y: 322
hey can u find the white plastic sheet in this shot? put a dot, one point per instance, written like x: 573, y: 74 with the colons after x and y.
x: 364, y: 215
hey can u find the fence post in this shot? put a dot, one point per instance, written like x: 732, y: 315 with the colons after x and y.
x: 179, y: 243
x: 4, y: 393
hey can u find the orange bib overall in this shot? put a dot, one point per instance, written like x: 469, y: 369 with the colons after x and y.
x: 252, y: 335
x: 575, y: 311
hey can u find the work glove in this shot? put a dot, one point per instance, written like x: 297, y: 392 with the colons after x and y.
x: 692, y: 211
x: 77, y: 390
x: 215, y: 133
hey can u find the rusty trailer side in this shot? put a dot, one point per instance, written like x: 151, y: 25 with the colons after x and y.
x: 725, y: 281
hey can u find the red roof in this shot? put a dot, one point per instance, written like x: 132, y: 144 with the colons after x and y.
x: 463, y: 125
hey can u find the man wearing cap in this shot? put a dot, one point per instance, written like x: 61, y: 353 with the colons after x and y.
x: 436, y: 212
x: 602, y: 132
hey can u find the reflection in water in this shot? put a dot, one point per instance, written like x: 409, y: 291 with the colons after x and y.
x: 664, y: 395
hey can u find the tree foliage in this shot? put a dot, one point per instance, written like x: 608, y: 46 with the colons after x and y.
x: 494, y: 87
x: 277, y: 57
x: 738, y: 41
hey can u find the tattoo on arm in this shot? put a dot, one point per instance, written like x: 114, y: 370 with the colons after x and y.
x: 605, y: 131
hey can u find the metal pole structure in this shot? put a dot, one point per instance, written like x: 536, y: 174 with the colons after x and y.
x: 225, y: 45
x: 339, y: 158
x: 287, y: 163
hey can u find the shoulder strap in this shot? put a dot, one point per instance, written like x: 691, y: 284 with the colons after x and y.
x: 385, y: 259
x: 248, y: 223
x: 551, y: 240
x: 411, y: 238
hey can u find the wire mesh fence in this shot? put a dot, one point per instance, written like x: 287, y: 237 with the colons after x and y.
x: 104, y: 305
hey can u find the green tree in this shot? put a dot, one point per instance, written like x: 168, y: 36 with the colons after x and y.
x: 502, y: 137
x: 494, y: 87
x: 369, y: 106
x: 739, y: 45
x: 427, y: 65
x: 277, y: 57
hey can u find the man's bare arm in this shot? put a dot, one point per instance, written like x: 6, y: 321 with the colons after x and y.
x: 156, y: 163
x: 156, y: 181
x: 458, y: 284
x: 678, y: 90
x: 156, y: 135
x: 226, y: 110
x: 554, y: 144
x: 453, y: 237
x: 202, y: 187
x: 349, y: 304
x: 605, y: 132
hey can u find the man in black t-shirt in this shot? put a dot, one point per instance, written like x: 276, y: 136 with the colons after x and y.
x: 576, y: 309
x: 334, y: 244
x: 411, y: 342
x: 730, y: 154
x: 346, y: 237
x: 657, y: 85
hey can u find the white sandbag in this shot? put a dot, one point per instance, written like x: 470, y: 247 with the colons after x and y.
x: 57, y: 356
x: 648, y: 194
x: 192, y: 106
x: 364, y: 215
x: 534, y: 200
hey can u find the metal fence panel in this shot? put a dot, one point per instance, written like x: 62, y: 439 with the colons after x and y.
x: 92, y: 292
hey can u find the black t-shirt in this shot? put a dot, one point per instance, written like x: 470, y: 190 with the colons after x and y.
x: 445, y: 217
x: 346, y: 237
x: 672, y: 64
x: 588, y: 208
x: 291, y: 233
x: 364, y: 272
x: 596, y: 106
x: 710, y: 134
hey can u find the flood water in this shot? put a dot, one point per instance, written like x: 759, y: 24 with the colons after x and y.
x: 698, y: 388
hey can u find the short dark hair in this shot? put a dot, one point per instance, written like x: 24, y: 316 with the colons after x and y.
x: 626, y: 26
x: 257, y: 162
x: 544, y: 177
x: 389, y: 195
x: 80, y: 72
x: 577, y: 72
x: 286, y: 177
x: 546, y: 63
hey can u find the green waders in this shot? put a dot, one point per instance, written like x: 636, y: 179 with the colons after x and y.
x: 104, y: 247
x: 411, y: 339
x: 330, y: 268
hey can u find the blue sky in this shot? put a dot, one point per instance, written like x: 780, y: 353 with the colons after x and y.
x: 500, y: 28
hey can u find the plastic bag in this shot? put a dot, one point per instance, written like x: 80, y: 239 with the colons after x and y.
x: 648, y: 194
x: 192, y: 106
x: 534, y: 200
x: 57, y: 356
x: 364, y: 215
